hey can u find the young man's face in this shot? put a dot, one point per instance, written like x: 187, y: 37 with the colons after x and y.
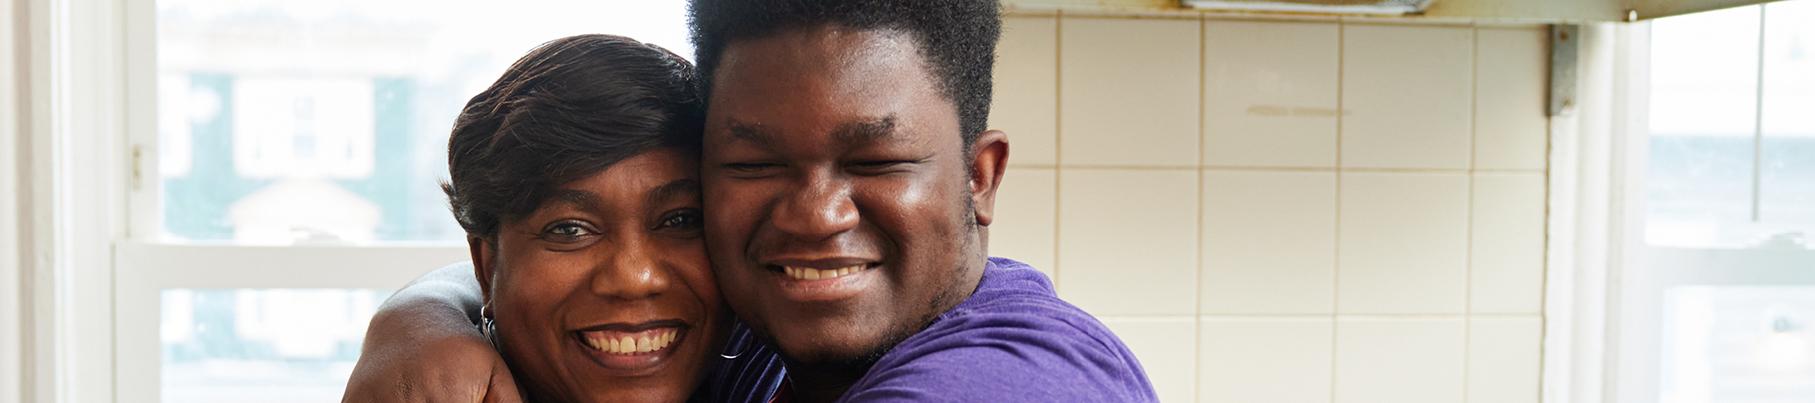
x: 839, y: 213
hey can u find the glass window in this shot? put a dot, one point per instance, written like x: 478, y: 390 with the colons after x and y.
x: 1787, y: 194
x: 1724, y: 293
x: 1732, y: 156
x: 1744, y: 344
x: 261, y: 345
x: 283, y: 122
x: 1704, y: 70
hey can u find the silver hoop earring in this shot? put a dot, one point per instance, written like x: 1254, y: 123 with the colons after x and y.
x: 488, y: 327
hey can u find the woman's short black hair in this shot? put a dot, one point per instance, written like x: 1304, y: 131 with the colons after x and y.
x: 956, y: 37
x: 568, y: 109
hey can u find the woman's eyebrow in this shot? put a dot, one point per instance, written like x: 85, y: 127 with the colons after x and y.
x: 687, y: 187
x: 583, y: 199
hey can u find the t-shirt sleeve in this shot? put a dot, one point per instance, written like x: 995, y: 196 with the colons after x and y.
x: 1007, y: 358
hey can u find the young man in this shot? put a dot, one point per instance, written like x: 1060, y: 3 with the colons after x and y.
x: 849, y: 181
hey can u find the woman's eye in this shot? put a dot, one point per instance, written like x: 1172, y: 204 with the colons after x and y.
x: 688, y: 219
x: 566, y: 232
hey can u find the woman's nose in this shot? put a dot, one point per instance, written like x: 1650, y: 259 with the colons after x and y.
x: 632, y: 272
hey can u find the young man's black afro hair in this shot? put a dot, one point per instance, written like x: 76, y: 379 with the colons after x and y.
x: 956, y: 37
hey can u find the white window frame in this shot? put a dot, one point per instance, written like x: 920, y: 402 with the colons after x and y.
x: 1649, y: 270
x: 1587, y: 172
x: 12, y: 305
x: 96, y: 269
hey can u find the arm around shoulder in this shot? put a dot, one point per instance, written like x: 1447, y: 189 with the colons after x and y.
x: 423, y: 346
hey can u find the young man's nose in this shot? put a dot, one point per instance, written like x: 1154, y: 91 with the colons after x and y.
x: 820, y: 207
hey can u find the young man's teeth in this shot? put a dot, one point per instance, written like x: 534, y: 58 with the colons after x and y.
x: 808, y: 273
x: 641, y: 343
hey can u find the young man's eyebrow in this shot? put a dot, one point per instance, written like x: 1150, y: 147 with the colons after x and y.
x: 849, y: 133
x: 751, y: 132
x: 866, y: 131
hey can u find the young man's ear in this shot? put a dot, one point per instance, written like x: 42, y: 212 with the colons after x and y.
x: 484, y: 254
x: 989, y: 161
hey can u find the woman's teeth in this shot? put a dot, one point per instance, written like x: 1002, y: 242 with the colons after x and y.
x: 808, y: 273
x: 631, y: 343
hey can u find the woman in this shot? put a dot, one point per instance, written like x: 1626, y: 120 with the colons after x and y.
x: 575, y: 177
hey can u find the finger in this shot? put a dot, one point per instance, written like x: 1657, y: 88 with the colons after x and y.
x: 503, y: 387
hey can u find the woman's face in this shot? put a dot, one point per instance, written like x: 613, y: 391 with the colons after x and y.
x: 603, y: 293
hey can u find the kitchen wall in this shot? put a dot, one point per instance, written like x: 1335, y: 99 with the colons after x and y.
x: 1286, y: 211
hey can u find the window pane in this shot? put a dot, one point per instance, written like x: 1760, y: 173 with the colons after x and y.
x: 326, y: 121
x: 271, y: 345
x: 1703, y: 118
x: 1787, y: 194
x: 1738, y: 345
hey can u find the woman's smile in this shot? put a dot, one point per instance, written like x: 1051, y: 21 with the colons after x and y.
x: 632, y: 349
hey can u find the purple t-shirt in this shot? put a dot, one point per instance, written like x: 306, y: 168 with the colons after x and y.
x: 1013, y: 340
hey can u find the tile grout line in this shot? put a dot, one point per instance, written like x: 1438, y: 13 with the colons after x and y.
x: 1197, y: 366
x: 1232, y: 168
x: 1544, y: 268
x: 1058, y: 133
x: 1336, y: 263
x: 1468, y: 273
x: 1353, y: 316
x: 1126, y: 167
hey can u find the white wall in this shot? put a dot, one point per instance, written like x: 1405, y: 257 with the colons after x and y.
x: 1280, y: 211
x: 12, y: 295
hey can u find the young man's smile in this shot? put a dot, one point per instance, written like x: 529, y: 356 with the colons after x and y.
x: 836, y: 195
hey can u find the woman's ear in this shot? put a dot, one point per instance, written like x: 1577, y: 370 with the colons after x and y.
x: 484, y: 253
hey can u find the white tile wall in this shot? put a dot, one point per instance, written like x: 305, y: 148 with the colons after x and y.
x: 1024, y: 226
x: 1025, y: 102
x: 1399, y: 360
x: 1511, y: 127
x: 1128, y: 92
x: 1507, y: 248
x: 1131, y: 241
x: 1269, y: 242
x: 1280, y: 360
x: 1199, y: 190
x: 1407, y: 92
x: 1503, y: 359
x: 1403, y: 243
x: 1270, y: 94
x: 1167, y: 350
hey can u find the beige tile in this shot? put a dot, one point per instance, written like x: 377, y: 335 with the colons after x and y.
x: 1128, y: 92
x: 1506, y: 261
x: 1512, y: 67
x: 1399, y: 360
x: 1269, y: 242
x: 1128, y: 241
x: 1026, y: 207
x: 1167, y: 348
x: 1246, y: 360
x: 1026, y: 96
x: 1403, y: 243
x: 1503, y: 359
x: 1406, y: 92
x: 1270, y: 94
